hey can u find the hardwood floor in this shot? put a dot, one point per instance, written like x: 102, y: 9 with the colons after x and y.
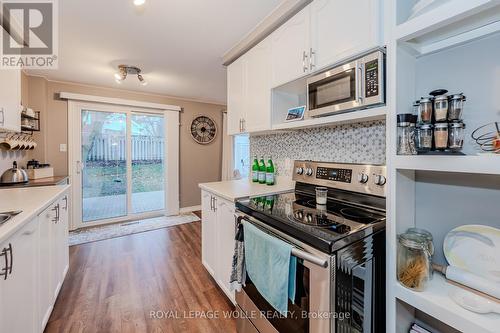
x: 114, y: 286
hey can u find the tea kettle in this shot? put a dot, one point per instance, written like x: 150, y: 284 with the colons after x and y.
x: 14, y: 176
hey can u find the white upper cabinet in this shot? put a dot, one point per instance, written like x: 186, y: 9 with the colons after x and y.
x: 10, y: 100
x: 290, y: 48
x: 258, y: 88
x: 235, y: 96
x: 343, y: 28
x: 249, y: 91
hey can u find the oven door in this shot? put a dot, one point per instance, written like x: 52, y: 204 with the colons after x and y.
x: 311, y: 309
x: 336, y: 90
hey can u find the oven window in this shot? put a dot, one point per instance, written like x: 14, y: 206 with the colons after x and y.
x: 293, y: 323
x: 332, y: 90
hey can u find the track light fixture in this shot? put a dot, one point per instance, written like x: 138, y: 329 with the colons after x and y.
x: 125, y: 70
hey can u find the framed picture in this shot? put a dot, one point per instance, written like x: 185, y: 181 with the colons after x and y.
x: 294, y: 114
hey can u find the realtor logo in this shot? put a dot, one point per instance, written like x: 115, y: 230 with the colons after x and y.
x: 30, y: 39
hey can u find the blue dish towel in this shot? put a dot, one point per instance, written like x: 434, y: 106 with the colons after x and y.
x: 271, y: 267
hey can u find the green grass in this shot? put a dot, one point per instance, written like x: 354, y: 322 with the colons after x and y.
x: 99, y: 181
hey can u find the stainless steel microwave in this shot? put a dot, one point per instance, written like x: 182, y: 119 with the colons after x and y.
x: 355, y: 85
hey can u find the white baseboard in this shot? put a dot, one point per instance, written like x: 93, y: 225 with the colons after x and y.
x: 184, y: 210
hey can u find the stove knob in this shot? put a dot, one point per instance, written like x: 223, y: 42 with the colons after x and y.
x: 309, y: 218
x: 309, y: 172
x: 380, y: 180
x: 362, y: 178
x: 299, y: 170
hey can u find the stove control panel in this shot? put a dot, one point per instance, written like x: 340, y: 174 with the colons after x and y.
x: 334, y: 174
x: 362, y: 178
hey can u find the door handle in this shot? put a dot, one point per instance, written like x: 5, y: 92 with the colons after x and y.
x: 2, y: 112
x: 7, y: 270
x: 359, y: 81
x: 311, y: 63
x: 304, y: 58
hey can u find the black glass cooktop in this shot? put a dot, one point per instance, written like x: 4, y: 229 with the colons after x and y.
x: 325, y: 227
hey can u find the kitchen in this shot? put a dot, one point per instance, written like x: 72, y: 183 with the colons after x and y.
x: 349, y: 182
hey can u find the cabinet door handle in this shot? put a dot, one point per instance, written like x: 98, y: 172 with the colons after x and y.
x: 304, y: 58
x: 311, y: 63
x: 3, y: 116
x: 215, y: 204
x: 5, y: 269
x: 66, y: 202
x: 78, y: 167
x: 243, y: 122
x: 56, y: 209
x: 211, y: 203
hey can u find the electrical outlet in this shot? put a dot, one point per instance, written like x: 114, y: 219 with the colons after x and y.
x: 63, y: 148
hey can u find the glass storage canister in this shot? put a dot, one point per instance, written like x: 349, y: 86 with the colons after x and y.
x: 406, y: 134
x: 456, y: 107
x: 425, y: 110
x: 424, y: 137
x: 441, y: 108
x: 441, y: 136
x: 413, y: 261
x: 456, y: 134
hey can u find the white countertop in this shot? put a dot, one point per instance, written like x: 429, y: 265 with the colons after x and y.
x: 31, y: 200
x: 236, y: 189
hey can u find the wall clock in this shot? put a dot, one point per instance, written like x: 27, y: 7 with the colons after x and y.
x: 203, y: 130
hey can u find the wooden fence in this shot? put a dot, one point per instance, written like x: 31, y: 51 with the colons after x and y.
x: 110, y: 148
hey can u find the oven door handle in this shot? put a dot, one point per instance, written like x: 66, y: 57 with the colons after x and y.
x: 295, y: 251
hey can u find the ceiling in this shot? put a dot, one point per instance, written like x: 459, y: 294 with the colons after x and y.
x: 178, y: 43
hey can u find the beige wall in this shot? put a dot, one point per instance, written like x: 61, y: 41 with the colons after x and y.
x: 198, y: 163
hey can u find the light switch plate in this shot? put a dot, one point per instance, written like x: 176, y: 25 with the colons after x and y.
x: 63, y: 148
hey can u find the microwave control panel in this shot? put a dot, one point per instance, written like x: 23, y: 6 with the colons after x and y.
x: 371, y: 78
x: 334, y: 174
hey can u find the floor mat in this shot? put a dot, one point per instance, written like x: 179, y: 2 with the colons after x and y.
x: 88, y: 235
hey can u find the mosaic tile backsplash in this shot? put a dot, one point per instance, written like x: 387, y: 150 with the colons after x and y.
x: 351, y: 143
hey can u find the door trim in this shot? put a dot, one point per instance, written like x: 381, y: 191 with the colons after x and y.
x: 171, y: 186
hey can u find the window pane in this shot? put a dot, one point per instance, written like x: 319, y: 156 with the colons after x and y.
x: 148, y: 163
x: 104, y: 175
x: 242, y: 155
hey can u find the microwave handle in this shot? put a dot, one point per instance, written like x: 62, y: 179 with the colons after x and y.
x: 359, y: 83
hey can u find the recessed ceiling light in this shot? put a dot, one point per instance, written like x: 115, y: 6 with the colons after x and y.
x: 139, y: 2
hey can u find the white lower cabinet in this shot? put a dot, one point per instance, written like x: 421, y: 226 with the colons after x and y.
x: 33, y: 264
x: 217, y: 243
x: 18, y: 282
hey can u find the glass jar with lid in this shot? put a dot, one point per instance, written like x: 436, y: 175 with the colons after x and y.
x: 425, y: 110
x: 414, y: 261
x: 424, y: 137
x: 406, y: 134
x: 456, y: 106
x: 441, y: 136
x: 456, y: 134
x: 441, y: 108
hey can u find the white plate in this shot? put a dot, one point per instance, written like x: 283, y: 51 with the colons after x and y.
x: 474, y: 302
x: 474, y: 248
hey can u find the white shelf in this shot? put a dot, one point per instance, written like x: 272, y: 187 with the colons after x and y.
x: 452, y: 23
x: 479, y: 164
x: 378, y: 113
x: 436, y: 302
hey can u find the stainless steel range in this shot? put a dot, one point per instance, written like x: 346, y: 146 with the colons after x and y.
x: 340, y: 247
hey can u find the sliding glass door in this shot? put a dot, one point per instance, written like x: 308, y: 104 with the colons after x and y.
x: 148, y: 167
x: 121, y: 164
x: 104, y: 165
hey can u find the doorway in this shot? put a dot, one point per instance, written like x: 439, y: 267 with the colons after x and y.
x: 124, y: 164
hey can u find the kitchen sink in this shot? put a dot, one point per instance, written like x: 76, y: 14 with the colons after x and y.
x: 6, y: 216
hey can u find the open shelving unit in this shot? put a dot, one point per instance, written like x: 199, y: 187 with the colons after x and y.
x: 453, y: 45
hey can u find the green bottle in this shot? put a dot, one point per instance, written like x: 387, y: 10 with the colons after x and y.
x: 262, y: 171
x: 270, y: 172
x: 255, y: 170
